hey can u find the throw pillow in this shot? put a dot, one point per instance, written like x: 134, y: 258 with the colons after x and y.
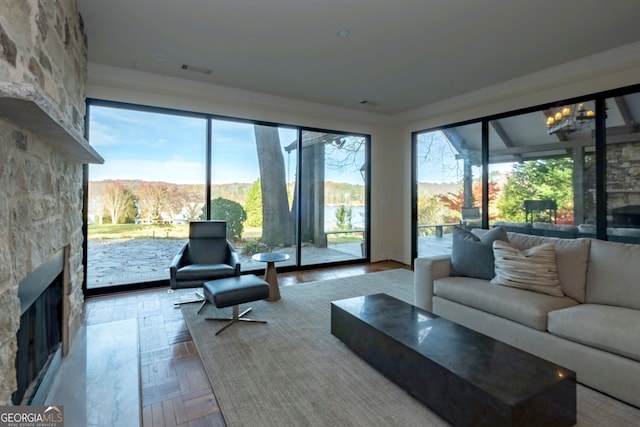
x: 533, y: 269
x: 472, y: 256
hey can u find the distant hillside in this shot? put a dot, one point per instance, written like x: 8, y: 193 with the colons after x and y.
x: 336, y: 193
x: 429, y: 189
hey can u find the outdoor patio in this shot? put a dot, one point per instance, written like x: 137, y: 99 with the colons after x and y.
x: 122, y: 261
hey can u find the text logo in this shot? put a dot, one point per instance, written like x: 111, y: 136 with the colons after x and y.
x: 31, y: 416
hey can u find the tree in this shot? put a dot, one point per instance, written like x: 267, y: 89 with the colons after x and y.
x: 192, y: 211
x: 345, y: 152
x: 344, y: 217
x: 158, y: 200
x: 431, y: 211
x: 231, y: 212
x: 276, y: 217
x: 455, y: 201
x: 253, y: 205
x: 119, y: 201
x: 537, y: 180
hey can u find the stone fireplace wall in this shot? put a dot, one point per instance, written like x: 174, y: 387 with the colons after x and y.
x: 42, y: 45
x: 623, y: 175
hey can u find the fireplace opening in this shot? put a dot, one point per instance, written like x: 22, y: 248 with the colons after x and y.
x: 39, y: 337
x: 626, y: 216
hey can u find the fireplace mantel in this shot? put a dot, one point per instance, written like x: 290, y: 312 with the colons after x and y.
x: 28, y: 107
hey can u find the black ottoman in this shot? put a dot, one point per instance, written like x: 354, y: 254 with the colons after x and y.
x: 234, y: 291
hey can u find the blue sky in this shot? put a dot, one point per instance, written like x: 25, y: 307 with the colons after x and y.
x: 169, y: 148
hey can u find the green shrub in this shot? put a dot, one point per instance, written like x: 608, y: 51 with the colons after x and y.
x: 232, y: 212
x: 252, y: 247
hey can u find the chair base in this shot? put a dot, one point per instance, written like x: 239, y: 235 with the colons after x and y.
x: 200, y: 299
x: 235, y: 319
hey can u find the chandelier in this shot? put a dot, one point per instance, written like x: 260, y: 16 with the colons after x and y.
x: 569, y: 119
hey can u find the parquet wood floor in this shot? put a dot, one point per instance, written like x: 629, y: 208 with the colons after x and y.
x: 174, y: 388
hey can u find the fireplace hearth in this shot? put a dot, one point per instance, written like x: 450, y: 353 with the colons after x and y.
x: 40, y: 335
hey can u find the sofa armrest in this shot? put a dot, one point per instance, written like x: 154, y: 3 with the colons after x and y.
x: 426, y: 270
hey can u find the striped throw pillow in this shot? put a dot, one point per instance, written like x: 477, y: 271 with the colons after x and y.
x: 533, y: 269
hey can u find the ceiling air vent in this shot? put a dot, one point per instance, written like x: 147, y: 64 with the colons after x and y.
x: 369, y: 103
x: 200, y: 70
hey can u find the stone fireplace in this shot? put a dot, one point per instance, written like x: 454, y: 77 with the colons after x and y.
x: 42, y: 152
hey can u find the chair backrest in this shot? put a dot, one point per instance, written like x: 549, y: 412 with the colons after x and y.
x: 208, y: 242
x: 470, y: 213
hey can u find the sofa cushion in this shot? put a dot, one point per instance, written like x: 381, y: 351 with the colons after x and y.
x: 521, y: 306
x: 533, y: 269
x: 572, y: 256
x: 472, y: 256
x: 612, y: 329
x: 614, y: 272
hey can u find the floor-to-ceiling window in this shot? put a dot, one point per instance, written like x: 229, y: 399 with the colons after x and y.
x: 332, y: 197
x: 448, y: 185
x: 540, y: 164
x: 622, y: 167
x: 568, y: 169
x: 141, y: 199
x: 280, y: 189
x: 253, y: 176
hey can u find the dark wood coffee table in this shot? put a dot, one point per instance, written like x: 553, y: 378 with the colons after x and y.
x: 465, y: 377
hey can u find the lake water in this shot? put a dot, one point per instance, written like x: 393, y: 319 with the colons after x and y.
x: 357, y: 217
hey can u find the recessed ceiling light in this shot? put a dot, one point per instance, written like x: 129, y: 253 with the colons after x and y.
x: 343, y: 33
x: 159, y: 57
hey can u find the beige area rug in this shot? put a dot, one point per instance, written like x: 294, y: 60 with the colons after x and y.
x: 293, y: 372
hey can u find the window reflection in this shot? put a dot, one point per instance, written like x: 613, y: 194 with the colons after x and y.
x: 623, y: 169
x: 448, y: 187
x: 537, y: 172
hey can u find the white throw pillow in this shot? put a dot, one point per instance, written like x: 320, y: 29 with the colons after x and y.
x: 533, y: 269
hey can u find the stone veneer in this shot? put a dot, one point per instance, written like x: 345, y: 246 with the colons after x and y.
x: 42, y: 44
x: 623, y: 175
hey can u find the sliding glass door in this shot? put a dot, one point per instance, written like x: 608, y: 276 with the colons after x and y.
x: 253, y: 173
x: 280, y: 189
x: 332, y: 197
x: 314, y: 212
x: 448, y: 185
x: 565, y: 170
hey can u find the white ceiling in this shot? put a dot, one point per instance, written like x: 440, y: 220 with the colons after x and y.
x: 400, y: 54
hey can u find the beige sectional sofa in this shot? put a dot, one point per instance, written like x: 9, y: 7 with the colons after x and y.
x: 594, y: 329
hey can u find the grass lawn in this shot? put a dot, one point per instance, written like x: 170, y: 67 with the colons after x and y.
x: 181, y: 231
x: 148, y: 231
x: 137, y: 231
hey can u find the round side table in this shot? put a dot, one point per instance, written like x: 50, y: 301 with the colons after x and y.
x: 270, y: 275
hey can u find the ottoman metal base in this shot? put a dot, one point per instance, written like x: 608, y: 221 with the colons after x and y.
x: 233, y: 291
x: 236, y: 318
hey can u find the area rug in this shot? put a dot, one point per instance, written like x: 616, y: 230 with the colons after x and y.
x: 293, y: 372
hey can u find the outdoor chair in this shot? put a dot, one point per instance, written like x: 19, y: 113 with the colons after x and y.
x: 471, y: 217
x: 208, y: 255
